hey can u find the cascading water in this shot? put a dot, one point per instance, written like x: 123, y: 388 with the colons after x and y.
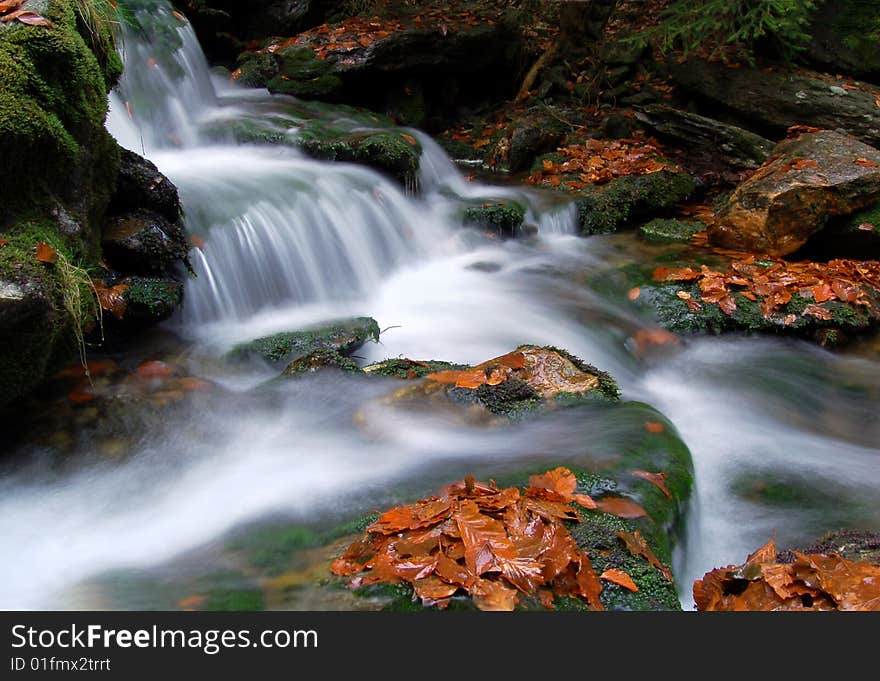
x: 290, y: 241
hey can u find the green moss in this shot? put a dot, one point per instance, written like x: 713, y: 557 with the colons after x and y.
x: 302, y: 74
x: 52, y: 108
x: 662, y: 231
x: 408, y: 368
x: 394, y: 152
x: 345, y: 336
x: 505, y: 218
x: 270, y: 549
x: 256, y: 70
x: 631, y: 198
x: 152, y: 299
x: 322, y: 358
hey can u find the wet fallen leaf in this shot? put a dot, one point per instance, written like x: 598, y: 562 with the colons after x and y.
x: 675, y: 274
x: 866, y: 227
x: 194, y: 602
x: 654, y: 427
x: 620, y: 578
x: 637, y: 546
x: 621, y: 507
x: 656, y: 479
x: 634, y: 293
x: 865, y: 163
x: 45, y: 253
x: 112, y: 298
x: 3, y: 242
x: 817, y: 312
x: 409, y: 139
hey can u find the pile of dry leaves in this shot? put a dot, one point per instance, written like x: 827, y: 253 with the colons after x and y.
x: 598, y: 161
x: 775, y: 282
x: 811, y: 582
x: 492, y: 544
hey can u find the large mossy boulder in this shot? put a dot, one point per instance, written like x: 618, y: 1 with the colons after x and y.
x: 61, y: 167
x: 392, y: 151
x: 810, y: 179
x: 627, y: 200
x: 344, y: 336
x: 772, y: 100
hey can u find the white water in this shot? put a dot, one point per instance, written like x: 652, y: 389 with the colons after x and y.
x: 290, y: 241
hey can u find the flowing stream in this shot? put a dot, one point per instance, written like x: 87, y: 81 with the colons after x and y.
x: 290, y: 241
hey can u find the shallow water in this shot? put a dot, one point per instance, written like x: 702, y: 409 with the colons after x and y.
x: 784, y: 436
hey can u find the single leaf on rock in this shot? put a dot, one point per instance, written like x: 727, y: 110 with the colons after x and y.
x: 112, y: 298
x: 654, y: 427
x: 620, y: 578
x: 637, y: 546
x: 656, y: 479
x: 560, y: 480
x: 621, y: 507
x: 817, y: 312
x: 675, y: 274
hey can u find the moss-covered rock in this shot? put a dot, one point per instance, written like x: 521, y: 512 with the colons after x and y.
x: 408, y: 368
x: 667, y: 304
x: 536, y: 379
x: 631, y: 198
x: 344, y: 336
x: 256, y: 69
x: 323, y: 358
x: 302, y: 74
x: 63, y: 166
x: 392, y: 152
x: 150, y: 300
x: 666, y: 231
x: 855, y: 545
x: 503, y: 218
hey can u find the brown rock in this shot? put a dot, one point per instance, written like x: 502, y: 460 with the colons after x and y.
x: 805, y: 182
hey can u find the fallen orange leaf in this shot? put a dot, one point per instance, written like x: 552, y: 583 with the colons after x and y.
x: 620, y: 578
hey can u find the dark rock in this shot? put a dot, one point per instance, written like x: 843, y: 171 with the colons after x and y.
x: 776, y: 100
x: 855, y: 236
x: 144, y: 242
x: 344, y: 336
x: 505, y: 218
x: 631, y: 198
x: 736, y: 147
x: 531, y: 138
x: 617, y: 126
x: 140, y: 185
x: 809, y: 179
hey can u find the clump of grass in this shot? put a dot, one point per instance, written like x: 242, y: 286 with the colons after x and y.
x: 98, y: 18
x: 80, y: 300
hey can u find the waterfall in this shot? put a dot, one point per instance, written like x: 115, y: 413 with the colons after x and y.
x: 275, y: 227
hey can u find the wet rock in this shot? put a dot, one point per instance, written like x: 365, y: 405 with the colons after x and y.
x: 150, y: 300
x: 667, y: 303
x: 392, y: 152
x: 852, y: 236
x: 140, y: 185
x: 532, y: 137
x: 323, y: 358
x: 631, y: 198
x: 662, y: 231
x: 528, y: 380
x: 408, y: 368
x: 855, y: 545
x: 344, y: 336
x: 504, y: 219
x: 28, y: 323
x: 144, y: 242
x: 809, y: 180
x: 302, y: 74
x: 736, y: 147
x: 774, y: 100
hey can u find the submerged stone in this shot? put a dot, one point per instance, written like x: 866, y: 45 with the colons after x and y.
x: 503, y: 218
x: 662, y: 231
